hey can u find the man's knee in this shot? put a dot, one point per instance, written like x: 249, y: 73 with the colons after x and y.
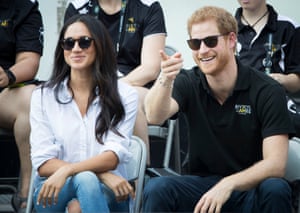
x: 157, y: 187
x: 274, y: 193
x: 275, y: 187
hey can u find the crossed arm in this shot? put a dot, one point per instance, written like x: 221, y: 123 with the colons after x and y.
x: 25, y: 68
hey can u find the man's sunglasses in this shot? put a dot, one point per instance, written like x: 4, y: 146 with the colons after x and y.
x: 84, y: 42
x: 210, y: 41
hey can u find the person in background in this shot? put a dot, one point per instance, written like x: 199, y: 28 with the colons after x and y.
x: 82, y: 121
x: 138, y: 31
x: 265, y: 42
x: 21, y: 47
x: 238, y: 125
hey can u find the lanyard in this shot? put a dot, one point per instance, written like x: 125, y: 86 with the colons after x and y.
x: 122, y: 14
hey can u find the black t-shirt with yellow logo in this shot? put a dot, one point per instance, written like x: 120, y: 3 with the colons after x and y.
x: 21, y: 29
x: 141, y: 18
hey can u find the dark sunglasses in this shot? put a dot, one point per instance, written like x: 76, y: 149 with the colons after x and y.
x: 210, y: 41
x: 84, y: 42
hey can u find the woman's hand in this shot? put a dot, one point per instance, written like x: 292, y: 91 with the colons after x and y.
x: 120, y: 186
x: 52, y: 186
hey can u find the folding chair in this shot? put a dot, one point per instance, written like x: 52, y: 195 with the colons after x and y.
x: 168, y: 132
x: 9, y: 167
x: 293, y: 170
x: 135, y: 170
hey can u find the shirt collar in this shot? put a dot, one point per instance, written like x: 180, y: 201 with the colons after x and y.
x: 65, y: 95
x: 272, y: 19
x: 242, y: 82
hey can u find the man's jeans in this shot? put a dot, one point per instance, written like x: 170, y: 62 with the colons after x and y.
x: 182, y: 193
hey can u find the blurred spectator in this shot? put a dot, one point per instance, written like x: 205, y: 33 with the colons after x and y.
x: 265, y: 42
x: 21, y: 46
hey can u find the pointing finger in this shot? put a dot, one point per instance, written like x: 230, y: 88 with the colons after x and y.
x: 163, y: 55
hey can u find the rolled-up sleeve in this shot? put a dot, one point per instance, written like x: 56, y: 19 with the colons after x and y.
x: 42, y: 140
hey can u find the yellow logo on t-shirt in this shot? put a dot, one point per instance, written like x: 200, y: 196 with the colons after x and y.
x: 243, y: 109
x: 4, y: 23
x: 131, y: 26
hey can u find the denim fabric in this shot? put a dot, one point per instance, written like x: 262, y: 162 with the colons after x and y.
x: 90, y: 192
x: 181, y: 194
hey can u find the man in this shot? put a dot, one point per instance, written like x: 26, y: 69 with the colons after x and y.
x: 238, y: 126
x: 265, y: 42
x: 21, y: 45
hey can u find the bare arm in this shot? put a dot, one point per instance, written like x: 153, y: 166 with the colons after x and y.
x: 149, y: 68
x: 291, y: 82
x: 25, y: 68
x: 275, y: 152
x: 100, y: 163
x: 58, y: 171
x: 159, y: 105
x: 119, y: 185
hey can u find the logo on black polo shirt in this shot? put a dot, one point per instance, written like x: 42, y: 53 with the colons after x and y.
x: 242, y: 109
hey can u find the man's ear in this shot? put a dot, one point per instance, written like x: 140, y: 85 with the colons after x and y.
x: 232, y: 40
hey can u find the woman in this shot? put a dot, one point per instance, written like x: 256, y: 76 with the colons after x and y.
x: 138, y: 32
x: 81, y: 123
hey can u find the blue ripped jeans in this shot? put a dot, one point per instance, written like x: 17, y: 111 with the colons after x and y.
x: 92, y: 195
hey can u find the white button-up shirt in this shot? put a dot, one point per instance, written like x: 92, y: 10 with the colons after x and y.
x: 60, y: 131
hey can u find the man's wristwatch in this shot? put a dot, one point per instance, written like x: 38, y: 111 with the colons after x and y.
x: 11, y: 77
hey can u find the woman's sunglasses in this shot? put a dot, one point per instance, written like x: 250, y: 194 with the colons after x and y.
x: 84, y: 42
x: 210, y: 41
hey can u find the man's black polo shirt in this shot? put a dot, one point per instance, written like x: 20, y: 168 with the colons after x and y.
x: 227, y: 138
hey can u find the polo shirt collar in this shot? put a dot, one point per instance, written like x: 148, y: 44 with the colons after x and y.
x: 5, y: 3
x: 242, y: 82
x: 244, y: 73
x: 272, y: 20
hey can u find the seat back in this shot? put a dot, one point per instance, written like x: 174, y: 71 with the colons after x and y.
x: 136, y: 170
x: 165, y: 132
x: 293, y: 170
x: 169, y: 50
x: 293, y: 163
x: 169, y: 133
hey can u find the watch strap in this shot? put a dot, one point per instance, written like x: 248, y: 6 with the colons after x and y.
x: 11, y: 76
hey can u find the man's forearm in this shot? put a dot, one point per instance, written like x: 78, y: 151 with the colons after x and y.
x: 158, y: 102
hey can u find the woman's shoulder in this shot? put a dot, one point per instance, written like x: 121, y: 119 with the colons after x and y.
x: 126, y: 89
